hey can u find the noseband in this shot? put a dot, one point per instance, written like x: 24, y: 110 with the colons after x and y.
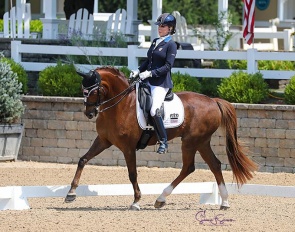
x: 94, y: 79
x: 87, y: 91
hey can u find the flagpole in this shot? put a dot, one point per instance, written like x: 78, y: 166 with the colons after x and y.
x: 253, y: 35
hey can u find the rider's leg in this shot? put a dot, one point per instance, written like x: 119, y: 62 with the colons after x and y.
x: 158, y: 94
x: 161, y: 132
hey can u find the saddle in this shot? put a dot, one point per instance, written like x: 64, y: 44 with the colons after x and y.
x: 145, y: 99
x: 145, y: 102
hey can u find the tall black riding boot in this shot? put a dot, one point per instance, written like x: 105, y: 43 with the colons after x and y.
x: 161, y: 133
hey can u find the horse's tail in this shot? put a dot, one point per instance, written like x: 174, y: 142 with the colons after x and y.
x: 241, y: 165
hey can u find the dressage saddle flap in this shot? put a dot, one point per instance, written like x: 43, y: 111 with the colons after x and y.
x: 145, y: 98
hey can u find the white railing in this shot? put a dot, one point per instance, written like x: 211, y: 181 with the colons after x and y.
x: 133, y: 53
x: 235, y: 41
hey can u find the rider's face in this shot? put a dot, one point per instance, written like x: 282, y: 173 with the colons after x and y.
x: 163, y: 30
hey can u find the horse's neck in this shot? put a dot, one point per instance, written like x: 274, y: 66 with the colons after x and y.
x: 117, y: 88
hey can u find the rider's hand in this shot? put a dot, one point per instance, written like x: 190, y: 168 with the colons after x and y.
x: 145, y: 75
x: 134, y: 73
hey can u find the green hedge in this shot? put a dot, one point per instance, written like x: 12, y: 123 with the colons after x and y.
x: 242, y: 87
x: 60, y: 80
x: 289, y: 92
x: 184, y: 82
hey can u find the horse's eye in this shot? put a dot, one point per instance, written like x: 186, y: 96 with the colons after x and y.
x: 85, y: 92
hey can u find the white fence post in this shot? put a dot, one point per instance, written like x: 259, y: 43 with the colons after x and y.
x: 132, y: 59
x: 15, y: 54
x: 251, y: 61
x: 288, y: 40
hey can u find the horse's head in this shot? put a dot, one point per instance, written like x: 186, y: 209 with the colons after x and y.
x: 102, y: 86
x: 91, y: 92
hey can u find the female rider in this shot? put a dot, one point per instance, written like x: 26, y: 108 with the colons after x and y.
x: 156, y: 72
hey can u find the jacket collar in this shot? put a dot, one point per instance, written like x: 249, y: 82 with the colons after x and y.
x: 166, y: 38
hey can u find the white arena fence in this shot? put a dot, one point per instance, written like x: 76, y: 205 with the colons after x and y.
x: 15, y: 197
x: 133, y: 53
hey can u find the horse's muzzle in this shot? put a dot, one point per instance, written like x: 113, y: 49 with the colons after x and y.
x: 92, y: 113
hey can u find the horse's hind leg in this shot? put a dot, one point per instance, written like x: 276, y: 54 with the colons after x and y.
x: 188, y: 158
x: 97, y: 147
x: 215, y: 166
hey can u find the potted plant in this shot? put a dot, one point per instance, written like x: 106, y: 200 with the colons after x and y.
x: 11, y: 109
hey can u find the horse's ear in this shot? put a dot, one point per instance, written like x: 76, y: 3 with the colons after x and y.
x: 84, y: 75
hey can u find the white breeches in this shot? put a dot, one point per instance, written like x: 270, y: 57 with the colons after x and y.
x: 158, y: 95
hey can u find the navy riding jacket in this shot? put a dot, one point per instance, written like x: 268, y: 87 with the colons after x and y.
x: 159, y: 61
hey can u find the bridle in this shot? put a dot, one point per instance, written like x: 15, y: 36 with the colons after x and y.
x: 98, y: 89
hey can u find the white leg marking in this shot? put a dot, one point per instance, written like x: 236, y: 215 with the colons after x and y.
x: 224, y: 195
x: 166, y: 192
x: 134, y: 206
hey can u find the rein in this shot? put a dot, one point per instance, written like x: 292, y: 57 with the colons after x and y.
x: 124, y: 93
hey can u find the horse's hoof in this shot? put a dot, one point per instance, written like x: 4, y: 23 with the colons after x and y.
x: 159, y: 204
x: 70, y: 197
x: 134, y: 207
x: 223, y: 207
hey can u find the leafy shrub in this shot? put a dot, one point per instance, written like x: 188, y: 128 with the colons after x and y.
x: 241, y: 87
x: 11, y: 106
x: 126, y: 71
x: 36, y: 26
x: 209, y: 86
x: 1, y: 25
x: 220, y: 64
x: 60, y: 80
x: 290, y: 92
x: 184, y: 82
x: 275, y: 65
x: 20, y: 71
x: 237, y: 64
x: 262, y: 64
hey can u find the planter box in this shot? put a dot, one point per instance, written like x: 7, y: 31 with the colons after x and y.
x: 10, y: 139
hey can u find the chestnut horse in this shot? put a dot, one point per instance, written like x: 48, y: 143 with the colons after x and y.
x: 109, y: 95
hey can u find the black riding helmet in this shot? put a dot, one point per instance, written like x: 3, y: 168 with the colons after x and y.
x: 167, y: 19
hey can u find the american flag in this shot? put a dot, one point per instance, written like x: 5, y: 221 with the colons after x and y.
x: 249, y: 19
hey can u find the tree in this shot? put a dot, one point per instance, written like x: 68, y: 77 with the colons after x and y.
x: 203, y: 11
x: 72, y: 6
x: 195, y: 11
x: 222, y: 35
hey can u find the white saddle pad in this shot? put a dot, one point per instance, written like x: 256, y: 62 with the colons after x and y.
x: 174, y: 112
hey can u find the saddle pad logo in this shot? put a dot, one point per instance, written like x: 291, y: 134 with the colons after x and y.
x: 174, y: 118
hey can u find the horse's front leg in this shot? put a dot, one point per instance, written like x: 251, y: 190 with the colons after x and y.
x: 97, y: 147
